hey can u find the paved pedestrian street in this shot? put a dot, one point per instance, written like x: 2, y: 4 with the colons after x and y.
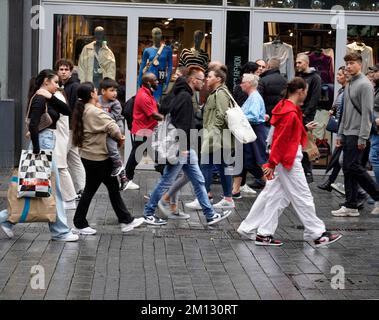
x: 187, y: 260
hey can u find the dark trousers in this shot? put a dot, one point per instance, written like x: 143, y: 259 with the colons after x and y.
x: 336, y: 170
x: 355, y: 173
x: 98, y: 172
x: 307, y: 164
x: 133, y: 161
x: 250, y: 163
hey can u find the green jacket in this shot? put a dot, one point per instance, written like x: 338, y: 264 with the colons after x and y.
x: 216, y: 134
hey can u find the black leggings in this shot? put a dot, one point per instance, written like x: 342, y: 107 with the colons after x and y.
x: 98, y: 172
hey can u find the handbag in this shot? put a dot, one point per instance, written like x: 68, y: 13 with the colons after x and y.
x: 323, y: 147
x: 28, y: 210
x: 238, y: 123
x: 332, y: 125
x: 311, y: 148
x: 34, y: 174
x: 165, y: 142
x: 45, y: 120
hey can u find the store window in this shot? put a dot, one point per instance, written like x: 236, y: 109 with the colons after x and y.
x: 194, y: 2
x: 96, y: 45
x: 317, y: 41
x: 366, y: 5
x: 364, y: 40
x: 242, y: 3
x: 166, y: 44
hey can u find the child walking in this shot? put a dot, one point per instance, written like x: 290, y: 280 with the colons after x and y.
x: 110, y: 104
x: 286, y: 178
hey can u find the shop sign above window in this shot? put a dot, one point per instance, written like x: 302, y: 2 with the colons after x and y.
x: 194, y: 2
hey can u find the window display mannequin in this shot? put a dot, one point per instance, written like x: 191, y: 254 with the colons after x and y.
x: 158, y: 60
x: 97, y: 61
x: 284, y: 52
x: 365, y: 51
x: 195, y: 56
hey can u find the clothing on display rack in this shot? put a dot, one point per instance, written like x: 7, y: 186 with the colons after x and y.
x: 365, y: 51
x: 282, y: 51
x: 323, y: 64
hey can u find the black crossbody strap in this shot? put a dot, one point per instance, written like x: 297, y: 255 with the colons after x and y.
x: 352, y: 101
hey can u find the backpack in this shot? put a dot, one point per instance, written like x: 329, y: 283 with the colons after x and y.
x: 127, y: 112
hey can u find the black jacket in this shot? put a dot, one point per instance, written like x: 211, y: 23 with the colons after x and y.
x: 70, y: 89
x: 314, y: 94
x: 238, y: 94
x: 182, y: 112
x: 271, y: 86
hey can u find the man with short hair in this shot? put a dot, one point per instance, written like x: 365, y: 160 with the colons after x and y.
x: 310, y: 104
x: 182, y: 117
x: 271, y: 85
x: 70, y: 82
x: 145, y: 119
x: 353, y: 134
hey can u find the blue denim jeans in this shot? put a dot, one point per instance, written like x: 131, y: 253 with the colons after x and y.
x: 374, y: 155
x: 226, y: 180
x: 58, y: 229
x: 190, y: 166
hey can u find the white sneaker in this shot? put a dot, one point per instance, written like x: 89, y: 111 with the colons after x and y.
x: 339, y: 187
x: 194, y: 205
x: 246, y: 189
x: 7, y: 231
x: 131, y: 186
x: 345, y: 212
x: 376, y: 209
x: 69, y: 205
x: 86, y: 231
x: 224, y: 204
x: 69, y: 238
x: 250, y: 236
x: 125, y: 227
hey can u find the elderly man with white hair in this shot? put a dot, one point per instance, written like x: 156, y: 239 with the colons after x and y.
x: 254, y: 153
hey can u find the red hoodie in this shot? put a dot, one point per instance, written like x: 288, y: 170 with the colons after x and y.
x: 289, y: 132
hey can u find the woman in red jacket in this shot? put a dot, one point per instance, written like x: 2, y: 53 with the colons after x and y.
x: 286, y: 179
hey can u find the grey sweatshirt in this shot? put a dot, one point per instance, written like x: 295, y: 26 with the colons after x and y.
x: 352, y: 123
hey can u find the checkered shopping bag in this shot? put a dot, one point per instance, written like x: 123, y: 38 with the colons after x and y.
x: 34, y: 174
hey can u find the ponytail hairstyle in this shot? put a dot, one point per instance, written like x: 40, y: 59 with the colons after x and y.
x: 36, y: 82
x: 84, y: 96
x: 295, y: 84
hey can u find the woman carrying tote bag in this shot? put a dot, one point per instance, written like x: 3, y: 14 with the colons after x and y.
x: 42, y: 90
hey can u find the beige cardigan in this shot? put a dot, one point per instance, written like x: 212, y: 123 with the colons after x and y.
x: 97, y: 125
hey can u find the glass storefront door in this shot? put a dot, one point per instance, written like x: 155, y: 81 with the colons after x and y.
x: 68, y: 29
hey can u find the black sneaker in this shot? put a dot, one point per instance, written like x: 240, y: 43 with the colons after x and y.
x: 325, y: 186
x: 116, y: 171
x: 79, y: 195
x: 237, y: 195
x: 217, y: 217
x: 155, y: 221
x: 123, y: 184
x: 327, y: 238
x: 267, y: 241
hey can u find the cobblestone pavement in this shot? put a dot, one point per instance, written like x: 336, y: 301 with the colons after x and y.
x: 187, y: 260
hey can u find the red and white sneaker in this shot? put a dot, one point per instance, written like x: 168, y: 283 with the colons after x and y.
x: 267, y: 241
x: 327, y: 238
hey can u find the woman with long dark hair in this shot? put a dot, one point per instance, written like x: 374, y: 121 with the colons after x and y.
x: 91, y: 125
x: 286, y: 178
x: 42, y: 90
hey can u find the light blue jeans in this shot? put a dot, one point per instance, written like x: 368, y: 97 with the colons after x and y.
x: 58, y: 229
x: 190, y: 166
